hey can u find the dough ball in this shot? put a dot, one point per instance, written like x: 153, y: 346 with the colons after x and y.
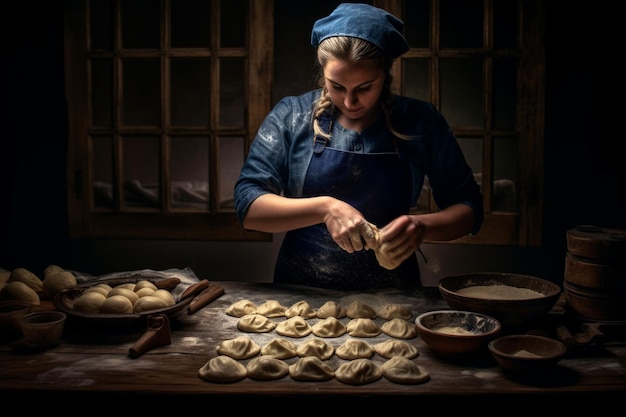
x: 128, y: 293
x: 89, y: 302
x: 363, y: 327
x: 17, y: 290
x: 51, y: 270
x: 116, y: 304
x: 402, y: 370
x: 103, y: 289
x: 144, y: 284
x: 357, y: 309
x: 329, y: 327
x: 302, y: 309
x: 392, y: 347
x: 355, y: 349
x: 241, y: 308
x: 400, y: 328
x: 315, y: 347
x: 255, y: 323
x: 294, y: 327
x: 279, y: 348
x: 271, y: 308
x: 383, y: 255
x: 222, y: 369
x: 27, y: 277
x: 358, y: 372
x: 310, y: 368
x: 266, y: 368
x: 55, y: 283
x: 241, y: 347
x: 331, y: 309
x: 148, y: 303
x: 166, y: 296
x: 129, y: 285
x: 393, y: 311
x: 144, y: 291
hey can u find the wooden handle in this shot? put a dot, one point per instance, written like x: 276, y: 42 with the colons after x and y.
x: 205, y: 297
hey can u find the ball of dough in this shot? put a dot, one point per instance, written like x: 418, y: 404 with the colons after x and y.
x: 129, y: 285
x: 130, y: 294
x: 54, y: 284
x: 149, y: 302
x: 145, y: 284
x: 51, y: 270
x: 89, y: 302
x: 103, y: 289
x: 116, y: 304
x: 17, y: 290
x: 144, y: 291
x: 27, y: 277
x: 166, y: 296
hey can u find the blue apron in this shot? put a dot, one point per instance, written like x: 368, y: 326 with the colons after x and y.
x: 379, y: 186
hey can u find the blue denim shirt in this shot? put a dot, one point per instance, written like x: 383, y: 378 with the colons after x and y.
x: 280, y: 153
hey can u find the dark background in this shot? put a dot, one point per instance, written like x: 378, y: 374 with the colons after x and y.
x: 584, y: 179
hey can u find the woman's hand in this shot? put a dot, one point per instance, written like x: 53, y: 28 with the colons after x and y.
x: 400, y: 238
x: 348, y: 227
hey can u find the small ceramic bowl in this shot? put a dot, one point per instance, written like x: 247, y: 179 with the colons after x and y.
x: 43, y: 329
x: 455, y: 332
x: 526, y: 353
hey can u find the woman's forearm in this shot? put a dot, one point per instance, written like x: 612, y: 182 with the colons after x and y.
x: 452, y: 223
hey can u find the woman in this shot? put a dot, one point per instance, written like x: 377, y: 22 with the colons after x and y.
x: 332, y: 166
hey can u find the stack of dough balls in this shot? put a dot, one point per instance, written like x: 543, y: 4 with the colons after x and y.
x: 123, y: 298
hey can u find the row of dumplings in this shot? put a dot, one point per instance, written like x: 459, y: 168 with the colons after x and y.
x: 356, y: 309
x: 298, y: 327
x: 311, y: 364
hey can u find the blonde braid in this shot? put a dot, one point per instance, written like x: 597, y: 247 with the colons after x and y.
x: 323, y: 104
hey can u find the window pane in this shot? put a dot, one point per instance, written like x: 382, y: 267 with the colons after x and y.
x: 141, y: 92
x: 416, y: 78
x: 231, y: 160
x: 233, y: 23
x: 102, y: 92
x: 141, y: 24
x: 505, y: 24
x: 417, y: 23
x: 191, y: 24
x: 141, y: 180
x: 461, y: 91
x: 190, y: 91
x: 505, y: 178
x: 461, y: 23
x: 101, y: 24
x: 504, y: 93
x: 189, y: 168
x: 232, y: 90
x: 102, y: 171
x: 473, y: 151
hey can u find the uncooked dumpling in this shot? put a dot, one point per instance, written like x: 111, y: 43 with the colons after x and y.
x: 27, y: 277
x: 363, y: 327
x: 381, y: 249
x: 392, y: 347
x: 17, y: 290
x: 241, y: 347
x: 357, y: 309
x: 271, y: 308
x: 302, y: 309
x: 55, y: 283
x: 393, y: 311
x: 358, y: 372
x: 241, y: 308
x: 355, y: 349
x: 255, y: 323
x: 402, y: 370
x: 279, y: 348
x: 294, y: 327
x: 311, y: 368
x: 89, y: 302
x: 315, y: 347
x: 222, y: 369
x: 266, y: 368
x: 331, y: 309
x: 329, y: 327
x: 400, y: 328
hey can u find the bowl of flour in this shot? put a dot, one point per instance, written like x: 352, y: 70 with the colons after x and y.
x: 513, y: 299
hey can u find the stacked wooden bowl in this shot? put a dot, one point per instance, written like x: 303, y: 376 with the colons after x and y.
x: 595, y: 273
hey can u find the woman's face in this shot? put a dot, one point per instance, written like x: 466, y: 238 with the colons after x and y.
x: 355, y: 88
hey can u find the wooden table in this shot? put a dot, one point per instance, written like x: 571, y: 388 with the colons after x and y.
x: 94, y: 364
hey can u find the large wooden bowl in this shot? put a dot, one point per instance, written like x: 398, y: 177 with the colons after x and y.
x: 512, y: 311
